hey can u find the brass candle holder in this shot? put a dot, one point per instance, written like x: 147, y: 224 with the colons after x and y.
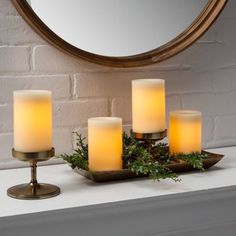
x: 33, y: 190
x: 149, y: 138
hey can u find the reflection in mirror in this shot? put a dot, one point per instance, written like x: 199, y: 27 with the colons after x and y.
x: 118, y: 28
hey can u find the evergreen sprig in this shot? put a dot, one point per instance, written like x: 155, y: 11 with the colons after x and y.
x: 194, y: 159
x: 138, y: 157
x: 79, y: 157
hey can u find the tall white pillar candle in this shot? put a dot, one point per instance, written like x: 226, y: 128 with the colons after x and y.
x: 105, y: 143
x: 148, y: 105
x: 32, y: 120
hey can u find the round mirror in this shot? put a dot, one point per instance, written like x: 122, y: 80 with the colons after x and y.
x: 121, y: 33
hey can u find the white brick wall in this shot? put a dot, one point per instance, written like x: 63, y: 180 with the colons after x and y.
x: 202, y: 77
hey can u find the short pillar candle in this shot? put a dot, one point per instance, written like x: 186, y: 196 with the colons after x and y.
x: 185, y: 131
x: 105, y: 143
x: 148, y: 106
x: 32, y: 120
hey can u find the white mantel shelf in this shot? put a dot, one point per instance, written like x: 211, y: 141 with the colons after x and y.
x: 204, y: 203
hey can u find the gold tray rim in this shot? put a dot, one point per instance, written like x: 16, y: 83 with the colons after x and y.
x: 113, y: 175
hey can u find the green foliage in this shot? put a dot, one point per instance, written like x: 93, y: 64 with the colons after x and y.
x: 194, y: 159
x: 79, y: 157
x: 140, y: 157
x: 137, y: 158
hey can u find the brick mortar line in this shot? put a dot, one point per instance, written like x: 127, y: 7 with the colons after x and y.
x: 13, y: 46
x: 32, y: 75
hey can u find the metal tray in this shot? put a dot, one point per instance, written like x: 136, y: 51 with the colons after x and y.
x: 104, y: 176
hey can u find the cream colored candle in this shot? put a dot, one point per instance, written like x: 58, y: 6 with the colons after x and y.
x: 32, y: 120
x: 185, y: 131
x: 105, y: 143
x: 148, y: 105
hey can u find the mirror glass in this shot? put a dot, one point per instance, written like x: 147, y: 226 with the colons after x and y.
x: 118, y: 28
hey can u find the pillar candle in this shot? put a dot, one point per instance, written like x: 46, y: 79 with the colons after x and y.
x: 185, y: 131
x: 148, y: 105
x: 105, y: 143
x: 32, y: 120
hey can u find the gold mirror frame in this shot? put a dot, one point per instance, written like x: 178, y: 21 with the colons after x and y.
x: 175, y: 46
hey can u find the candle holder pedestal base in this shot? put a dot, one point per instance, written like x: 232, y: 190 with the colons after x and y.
x: 33, y: 190
x: 29, y: 191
